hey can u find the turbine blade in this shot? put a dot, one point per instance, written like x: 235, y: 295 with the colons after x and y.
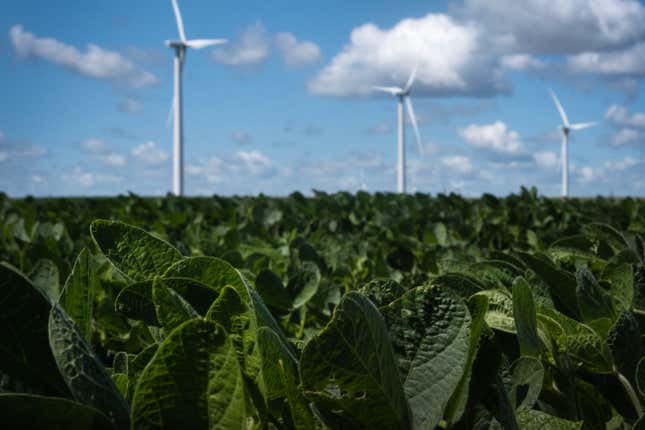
x: 563, y: 114
x: 203, y: 43
x: 582, y: 125
x: 180, y: 22
x: 412, y: 78
x: 171, y: 112
x: 390, y: 90
x: 413, y: 120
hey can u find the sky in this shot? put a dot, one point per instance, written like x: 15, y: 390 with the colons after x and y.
x: 288, y: 104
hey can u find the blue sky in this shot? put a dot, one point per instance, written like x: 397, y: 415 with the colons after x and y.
x: 286, y: 105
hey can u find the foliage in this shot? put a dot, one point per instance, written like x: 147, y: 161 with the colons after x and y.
x: 338, y: 311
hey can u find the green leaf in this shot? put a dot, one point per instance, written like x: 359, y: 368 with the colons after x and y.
x: 640, y: 376
x: 527, y: 374
x: 136, y: 253
x: 525, y: 318
x: 529, y: 419
x: 83, y: 372
x: 382, y: 291
x: 29, y: 411
x: 24, y: 348
x: 606, y: 233
x: 272, y: 291
x: 620, y: 278
x: 561, y: 284
x: 193, y: 382
x: 500, y: 310
x: 349, y: 370
x: 172, y: 309
x: 430, y: 330
x: 624, y: 341
x: 45, y: 276
x: 77, y: 298
x: 594, y: 303
x: 304, y: 284
x: 457, y: 404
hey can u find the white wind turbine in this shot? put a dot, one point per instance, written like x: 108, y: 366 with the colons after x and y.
x: 566, y: 127
x: 403, y: 94
x: 180, y: 54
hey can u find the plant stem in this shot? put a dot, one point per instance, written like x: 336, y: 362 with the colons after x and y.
x: 631, y: 393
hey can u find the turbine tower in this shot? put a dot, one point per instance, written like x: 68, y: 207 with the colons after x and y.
x: 566, y: 128
x: 403, y: 94
x: 179, y: 46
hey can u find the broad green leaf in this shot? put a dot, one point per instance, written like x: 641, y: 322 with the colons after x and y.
x: 133, y: 251
x: 304, y: 284
x: 280, y: 378
x: 500, y: 310
x: 640, y: 376
x: 122, y: 383
x: 577, y: 340
x: 606, y: 233
x: 624, y: 341
x: 527, y: 374
x: 529, y: 419
x: 561, y: 284
x: 525, y: 318
x: 620, y: 278
x: 457, y: 404
x: 430, y: 330
x: 193, y: 382
x: 461, y: 284
x: 24, y: 349
x: 382, y: 291
x: 45, y: 276
x: 594, y: 303
x: 270, y: 287
x: 172, y: 309
x: 29, y: 411
x: 77, y: 298
x: 349, y: 370
x: 82, y: 370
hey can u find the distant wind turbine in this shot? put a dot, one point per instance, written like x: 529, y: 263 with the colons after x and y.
x: 404, y: 94
x: 566, y: 128
x: 178, y: 138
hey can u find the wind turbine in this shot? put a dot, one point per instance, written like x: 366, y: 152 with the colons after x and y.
x: 566, y: 127
x: 403, y: 94
x: 178, y: 136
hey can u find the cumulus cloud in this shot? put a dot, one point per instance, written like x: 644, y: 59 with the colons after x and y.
x: 457, y: 163
x: 94, y: 145
x: 95, y: 62
x: 296, y: 53
x: 380, y: 128
x: 4, y: 156
x: 620, y: 165
x: 624, y: 62
x: 522, y: 62
x: 620, y: 116
x: 627, y: 136
x: 452, y: 60
x: 130, y: 105
x: 241, y: 137
x: 252, y: 47
x: 546, y: 159
x: 495, y: 137
x: 568, y: 26
x: 113, y: 159
x: 149, y: 153
x: 218, y: 170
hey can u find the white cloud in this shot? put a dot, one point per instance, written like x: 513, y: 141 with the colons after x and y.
x: 95, y: 62
x: 295, y: 53
x: 568, y: 26
x: 78, y: 176
x: 626, y: 136
x: 522, y: 62
x: 130, y: 105
x: 30, y: 151
x: 625, y: 62
x: 39, y: 179
x: 452, y: 60
x: 546, y: 159
x: 241, y: 137
x: 148, y: 153
x: 94, y: 145
x: 113, y: 159
x: 619, y: 115
x: 4, y: 156
x: 253, y: 162
x: 458, y: 163
x: 380, y: 128
x: 495, y: 137
x: 588, y: 174
x: 621, y: 165
x: 252, y: 47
